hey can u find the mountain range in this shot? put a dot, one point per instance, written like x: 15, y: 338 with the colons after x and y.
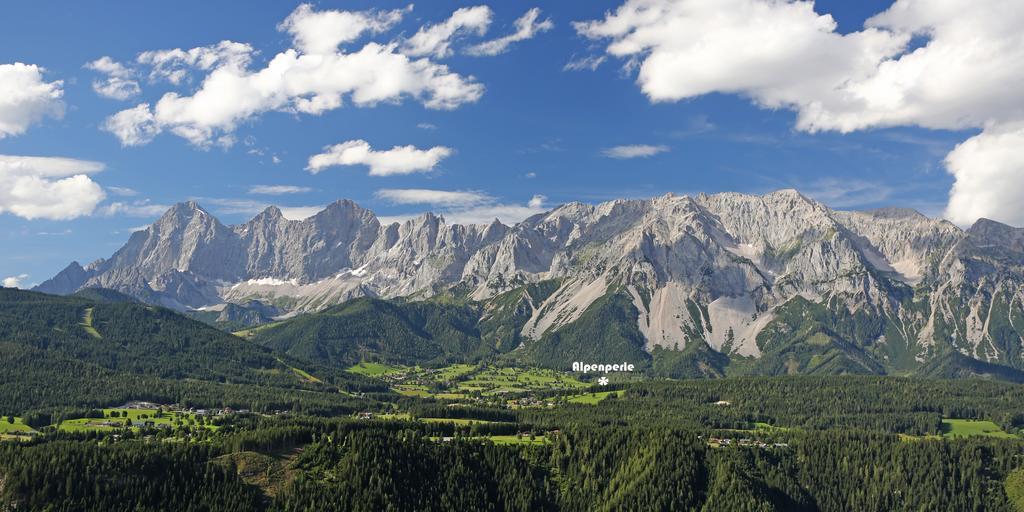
x: 776, y: 283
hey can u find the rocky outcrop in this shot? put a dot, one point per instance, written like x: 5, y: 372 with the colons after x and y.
x: 711, y: 269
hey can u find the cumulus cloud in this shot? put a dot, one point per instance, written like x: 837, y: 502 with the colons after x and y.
x: 276, y: 190
x: 134, y: 126
x: 461, y: 206
x: 321, y: 32
x: 119, y: 84
x: 989, y: 172
x: 785, y: 55
x: 48, y: 187
x: 174, y: 65
x: 14, y: 281
x: 527, y: 26
x: 25, y: 98
x: 634, y: 151
x: 778, y: 53
x: 316, y: 76
x: 436, y: 40
x: 397, y: 160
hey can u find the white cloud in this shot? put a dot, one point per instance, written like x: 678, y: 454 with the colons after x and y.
x: 251, y: 207
x: 312, y: 79
x: 436, y: 40
x: 778, y: 53
x: 48, y: 187
x: 590, y: 62
x: 527, y: 26
x: 321, y: 33
x: 119, y: 84
x: 275, y: 190
x: 426, y: 126
x: 140, y: 208
x: 505, y: 213
x: 300, y: 212
x: 391, y: 219
x: 846, y: 193
x: 989, y: 172
x: 14, y: 281
x: 123, y: 191
x: 133, y: 127
x: 397, y: 160
x: 25, y: 98
x: 634, y: 151
x: 784, y: 55
x: 174, y: 65
x: 463, y: 198
x: 461, y: 206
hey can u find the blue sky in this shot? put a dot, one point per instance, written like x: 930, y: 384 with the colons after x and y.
x: 538, y: 135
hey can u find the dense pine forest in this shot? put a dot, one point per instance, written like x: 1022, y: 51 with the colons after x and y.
x: 109, y: 404
x: 350, y: 465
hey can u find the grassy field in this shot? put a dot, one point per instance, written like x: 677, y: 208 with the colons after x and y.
x: 14, y: 431
x: 518, y: 440
x: 966, y: 428
x: 1014, y: 486
x: 461, y: 381
x: 455, y: 371
x: 591, y: 398
x: 412, y: 390
x: 87, y: 324
x: 302, y: 374
x: 768, y: 427
x: 108, y: 422
x: 248, y: 333
x: 398, y: 416
x: 457, y: 421
x: 375, y: 369
x: 524, y: 440
x: 494, y: 380
x: 13, y: 428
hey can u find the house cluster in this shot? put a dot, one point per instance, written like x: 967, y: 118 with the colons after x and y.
x: 718, y: 442
x: 528, y: 402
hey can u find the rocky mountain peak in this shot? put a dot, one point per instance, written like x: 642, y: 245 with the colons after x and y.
x: 271, y: 212
x: 694, y: 268
x: 990, y: 232
x: 892, y: 212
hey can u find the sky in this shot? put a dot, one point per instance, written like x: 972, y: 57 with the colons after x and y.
x: 109, y: 115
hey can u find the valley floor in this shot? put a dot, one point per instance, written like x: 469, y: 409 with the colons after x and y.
x: 464, y: 436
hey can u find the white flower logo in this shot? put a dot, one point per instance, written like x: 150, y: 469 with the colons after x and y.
x: 603, y: 381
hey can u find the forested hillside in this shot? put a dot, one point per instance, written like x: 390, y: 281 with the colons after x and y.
x: 96, y: 349
x: 289, y: 430
x: 372, y: 466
